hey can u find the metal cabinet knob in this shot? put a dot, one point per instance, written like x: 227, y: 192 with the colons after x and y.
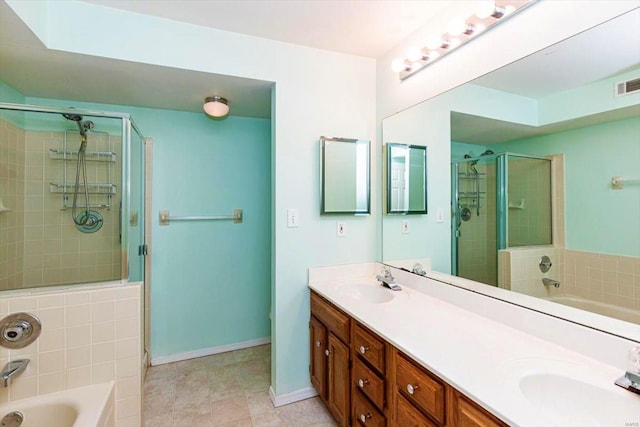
x: 326, y: 352
x: 362, y: 382
x: 318, y: 343
x: 364, y: 417
x: 363, y: 349
x: 411, y: 388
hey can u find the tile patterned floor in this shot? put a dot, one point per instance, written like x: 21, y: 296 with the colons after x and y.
x: 224, y: 390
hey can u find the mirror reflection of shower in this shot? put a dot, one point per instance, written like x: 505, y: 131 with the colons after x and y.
x: 87, y: 221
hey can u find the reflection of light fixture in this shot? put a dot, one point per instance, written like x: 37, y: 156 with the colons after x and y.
x: 216, y: 106
x: 459, y: 32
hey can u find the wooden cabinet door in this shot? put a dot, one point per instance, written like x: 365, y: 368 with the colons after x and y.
x: 338, y: 387
x: 465, y: 413
x: 317, y: 356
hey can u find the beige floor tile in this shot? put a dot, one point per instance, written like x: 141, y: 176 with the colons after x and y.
x: 270, y: 419
x: 245, y: 422
x: 259, y: 402
x: 159, y: 421
x: 306, y: 412
x: 158, y: 405
x: 228, y: 410
x: 221, y: 359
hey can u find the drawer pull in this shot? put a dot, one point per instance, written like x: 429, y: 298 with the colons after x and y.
x: 318, y: 343
x: 412, y: 388
x: 364, y: 417
x: 363, y: 349
x: 326, y: 352
x: 362, y: 382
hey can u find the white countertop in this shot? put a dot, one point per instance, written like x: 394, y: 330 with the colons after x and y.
x: 519, y: 377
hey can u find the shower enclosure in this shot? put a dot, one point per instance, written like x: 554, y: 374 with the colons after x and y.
x: 499, y: 201
x: 71, y: 197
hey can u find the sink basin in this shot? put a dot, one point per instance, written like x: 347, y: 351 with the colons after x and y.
x: 574, y: 402
x: 367, y: 292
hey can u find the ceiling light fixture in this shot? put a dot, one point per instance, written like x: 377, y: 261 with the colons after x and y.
x: 216, y: 106
x: 460, y: 31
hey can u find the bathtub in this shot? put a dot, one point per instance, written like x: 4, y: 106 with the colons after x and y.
x: 90, y: 406
x: 609, y: 310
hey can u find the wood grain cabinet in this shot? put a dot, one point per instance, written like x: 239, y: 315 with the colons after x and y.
x: 365, y: 381
x: 329, y: 367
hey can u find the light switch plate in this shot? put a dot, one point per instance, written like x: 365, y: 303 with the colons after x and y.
x: 439, y: 215
x: 405, y: 226
x: 341, y: 229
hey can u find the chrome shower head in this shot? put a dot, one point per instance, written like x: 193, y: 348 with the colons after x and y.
x: 72, y: 117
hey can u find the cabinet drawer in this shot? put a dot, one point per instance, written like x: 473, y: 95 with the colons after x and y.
x: 335, y: 321
x: 408, y: 416
x: 369, y: 347
x: 365, y: 413
x: 421, y: 388
x: 369, y: 383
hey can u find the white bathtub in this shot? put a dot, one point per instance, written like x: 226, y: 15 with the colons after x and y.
x: 609, y: 310
x: 90, y: 406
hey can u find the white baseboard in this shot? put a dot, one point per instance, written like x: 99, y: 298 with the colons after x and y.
x: 296, y: 396
x: 160, y: 360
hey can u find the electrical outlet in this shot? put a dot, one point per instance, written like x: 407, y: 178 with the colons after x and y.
x: 293, y: 218
x: 341, y: 229
x: 405, y: 226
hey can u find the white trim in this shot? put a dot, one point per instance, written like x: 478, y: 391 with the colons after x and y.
x: 296, y: 396
x: 208, y: 351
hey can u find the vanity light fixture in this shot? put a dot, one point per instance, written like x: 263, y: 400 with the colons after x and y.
x: 216, y: 106
x: 459, y: 31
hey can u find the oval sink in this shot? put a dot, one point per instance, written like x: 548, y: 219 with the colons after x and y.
x: 577, y: 402
x: 367, y: 292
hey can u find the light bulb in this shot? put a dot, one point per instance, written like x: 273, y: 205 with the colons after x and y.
x: 414, y: 54
x: 456, y: 26
x: 485, y: 9
x: 433, y: 55
x: 434, y: 42
x: 397, y: 65
x: 478, y: 28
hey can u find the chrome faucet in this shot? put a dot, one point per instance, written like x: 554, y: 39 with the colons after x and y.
x: 13, y: 369
x: 388, y: 281
x: 631, y: 379
x: 417, y: 269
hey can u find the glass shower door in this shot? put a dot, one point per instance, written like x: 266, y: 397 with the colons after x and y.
x: 474, y: 247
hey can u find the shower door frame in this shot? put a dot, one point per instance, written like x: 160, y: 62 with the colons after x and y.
x: 502, y: 203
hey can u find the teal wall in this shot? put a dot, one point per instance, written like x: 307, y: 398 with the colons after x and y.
x: 459, y: 149
x: 211, y: 280
x: 10, y: 95
x: 597, y: 218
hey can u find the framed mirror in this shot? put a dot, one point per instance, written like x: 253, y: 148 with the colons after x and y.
x: 566, y: 124
x: 406, y: 171
x: 345, y: 176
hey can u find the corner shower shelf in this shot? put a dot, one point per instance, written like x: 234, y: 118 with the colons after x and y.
x: 93, y: 156
x: 468, y: 194
x: 69, y: 188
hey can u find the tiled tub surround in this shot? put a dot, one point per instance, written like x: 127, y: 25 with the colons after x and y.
x: 482, y: 346
x: 39, y: 243
x: 609, y: 280
x: 91, y: 334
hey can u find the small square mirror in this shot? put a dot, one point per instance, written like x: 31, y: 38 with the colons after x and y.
x: 406, y: 179
x: 345, y: 170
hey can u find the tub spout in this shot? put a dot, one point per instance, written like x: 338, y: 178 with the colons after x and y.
x: 550, y: 282
x: 12, y: 370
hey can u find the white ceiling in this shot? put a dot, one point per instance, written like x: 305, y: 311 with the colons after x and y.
x: 364, y: 28
x: 357, y: 27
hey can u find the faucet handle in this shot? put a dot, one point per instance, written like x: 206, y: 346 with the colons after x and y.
x: 634, y: 359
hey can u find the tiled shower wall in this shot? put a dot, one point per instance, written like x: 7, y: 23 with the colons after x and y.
x: 12, y: 197
x: 477, y: 243
x: 90, y: 335
x: 50, y: 250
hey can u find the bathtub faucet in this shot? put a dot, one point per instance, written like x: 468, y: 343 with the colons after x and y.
x: 13, y: 369
x: 550, y: 282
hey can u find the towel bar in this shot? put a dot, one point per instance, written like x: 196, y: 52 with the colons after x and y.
x: 165, y: 218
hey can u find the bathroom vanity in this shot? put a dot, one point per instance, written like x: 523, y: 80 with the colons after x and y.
x: 412, y: 358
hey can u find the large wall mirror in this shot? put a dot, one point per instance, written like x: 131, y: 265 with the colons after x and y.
x: 522, y: 164
x: 345, y: 168
x: 406, y: 179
